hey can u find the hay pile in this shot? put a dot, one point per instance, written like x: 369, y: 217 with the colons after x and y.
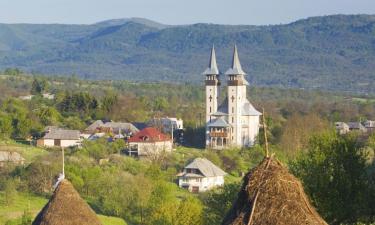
x: 66, y: 207
x: 271, y: 195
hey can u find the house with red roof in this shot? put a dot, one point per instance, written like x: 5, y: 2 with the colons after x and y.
x: 149, y: 141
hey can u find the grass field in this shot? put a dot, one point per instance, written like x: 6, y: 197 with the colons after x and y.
x: 34, y: 204
x: 27, y: 151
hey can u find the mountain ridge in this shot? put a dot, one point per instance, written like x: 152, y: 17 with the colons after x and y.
x: 331, y: 52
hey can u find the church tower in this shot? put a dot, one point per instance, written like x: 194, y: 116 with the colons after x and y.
x: 212, y: 86
x: 236, y: 98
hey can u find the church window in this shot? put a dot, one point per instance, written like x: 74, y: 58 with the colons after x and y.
x: 232, y: 109
x: 210, y: 98
x: 210, y: 109
x: 232, y: 119
x: 232, y: 98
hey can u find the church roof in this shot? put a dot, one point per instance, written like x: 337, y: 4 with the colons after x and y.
x: 236, y: 68
x: 66, y: 207
x: 219, y: 122
x: 223, y: 109
x: 212, y: 66
x: 249, y: 110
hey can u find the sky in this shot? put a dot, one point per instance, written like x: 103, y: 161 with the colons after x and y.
x: 250, y: 12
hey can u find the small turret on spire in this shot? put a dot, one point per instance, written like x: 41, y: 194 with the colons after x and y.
x: 212, y: 66
x: 236, y: 68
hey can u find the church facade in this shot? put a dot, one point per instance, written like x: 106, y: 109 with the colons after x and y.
x: 235, y: 122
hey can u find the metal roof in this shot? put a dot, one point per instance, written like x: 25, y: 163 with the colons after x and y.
x: 206, y: 167
x: 236, y: 68
x: 116, y: 126
x: 212, y: 66
x: 219, y: 122
x: 249, y: 110
x: 63, y: 134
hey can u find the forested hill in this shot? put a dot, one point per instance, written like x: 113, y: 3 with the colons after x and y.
x: 332, y: 52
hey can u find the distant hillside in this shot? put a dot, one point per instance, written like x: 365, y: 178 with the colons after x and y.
x: 331, y: 53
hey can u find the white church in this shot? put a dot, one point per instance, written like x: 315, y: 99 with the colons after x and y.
x: 235, y: 122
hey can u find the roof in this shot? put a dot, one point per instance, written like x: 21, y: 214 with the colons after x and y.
x: 95, y: 125
x: 222, y: 109
x: 356, y: 125
x: 236, y: 68
x: 212, y: 66
x: 219, y: 122
x: 206, y: 167
x: 63, y: 134
x: 128, y: 127
x: 66, y: 207
x: 6, y: 156
x: 149, y: 134
x: 249, y: 110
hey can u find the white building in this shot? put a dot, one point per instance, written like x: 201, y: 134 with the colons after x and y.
x: 370, y: 125
x: 201, y: 175
x: 149, y: 142
x: 342, y: 128
x: 235, y: 122
x: 60, y: 138
x: 167, y: 124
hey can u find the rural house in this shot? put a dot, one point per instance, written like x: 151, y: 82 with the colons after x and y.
x: 356, y: 126
x: 60, y: 138
x: 149, y: 141
x: 201, y: 175
x: 341, y: 127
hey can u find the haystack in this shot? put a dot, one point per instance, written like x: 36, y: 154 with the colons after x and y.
x: 66, y: 207
x: 271, y: 195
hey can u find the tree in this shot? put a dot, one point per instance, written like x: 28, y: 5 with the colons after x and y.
x: 189, y: 211
x: 333, y: 172
x: 218, y: 202
x: 38, y: 86
x: 6, y: 128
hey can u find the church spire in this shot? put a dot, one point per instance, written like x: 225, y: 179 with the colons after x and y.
x: 212, y: 66
x: 236, y: 68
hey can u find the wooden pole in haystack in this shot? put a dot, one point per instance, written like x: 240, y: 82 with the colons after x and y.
x: 265, y: 134
x: 63, y: 161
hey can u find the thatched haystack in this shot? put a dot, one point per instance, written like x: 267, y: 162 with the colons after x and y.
x: 66, y: 207
x: 271, y: 195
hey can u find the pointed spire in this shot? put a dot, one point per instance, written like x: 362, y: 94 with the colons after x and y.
x: 236, y: 68
x: 212, y: 66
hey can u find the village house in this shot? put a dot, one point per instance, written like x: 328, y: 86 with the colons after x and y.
x: 60, y: 138
x: 356, y: 126
x: 118, y: 129
x: 370, y: 125
x: 201, y: 175
x: 7, y: 157
x: 167, y: 124
x: 341, y: 127
x: 148, y: 142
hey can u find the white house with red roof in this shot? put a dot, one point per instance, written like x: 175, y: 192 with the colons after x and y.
x: 149, y: 141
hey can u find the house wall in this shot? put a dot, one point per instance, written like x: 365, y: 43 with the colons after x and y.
x: 204, y: 184
x: 148, y: 148
x: 63, y: 143
x: 49, y: 142
x: 69, y: 143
